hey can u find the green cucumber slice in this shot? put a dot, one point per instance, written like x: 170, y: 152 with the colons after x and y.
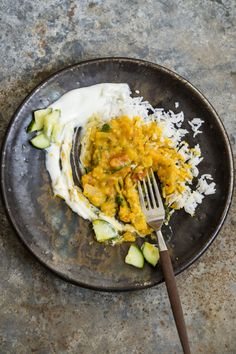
x: 40, y: 141
x: 56, y: 131
x: 150, y: 253
x: 32, y: 127
x: 135, y: 257
x: 103, y: 230
x: 39, y: 117
x: 49, y: 121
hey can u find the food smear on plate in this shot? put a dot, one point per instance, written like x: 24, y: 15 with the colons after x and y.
x: 121, y: 139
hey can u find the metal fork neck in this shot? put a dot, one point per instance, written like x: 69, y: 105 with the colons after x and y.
x: 161, y: 242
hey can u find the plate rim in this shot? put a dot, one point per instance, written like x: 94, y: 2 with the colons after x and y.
x: 135, y: 286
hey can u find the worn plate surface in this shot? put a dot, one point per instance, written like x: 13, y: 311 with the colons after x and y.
x: 63, y: 241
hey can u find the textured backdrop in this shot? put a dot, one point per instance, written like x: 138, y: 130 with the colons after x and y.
x: 40, y: 313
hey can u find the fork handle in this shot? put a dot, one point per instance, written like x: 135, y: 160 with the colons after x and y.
x: 174, y: 299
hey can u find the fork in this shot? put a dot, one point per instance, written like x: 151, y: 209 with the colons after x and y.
x: 153, y: 209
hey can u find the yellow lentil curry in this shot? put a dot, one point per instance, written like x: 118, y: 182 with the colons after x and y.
x: 118, y: 154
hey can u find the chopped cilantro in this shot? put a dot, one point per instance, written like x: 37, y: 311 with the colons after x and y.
x: 106, y: 128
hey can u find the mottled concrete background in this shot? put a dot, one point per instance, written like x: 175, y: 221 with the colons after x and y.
x: 41, y: 313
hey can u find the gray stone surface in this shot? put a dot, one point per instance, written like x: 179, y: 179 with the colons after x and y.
x: 41, y: 313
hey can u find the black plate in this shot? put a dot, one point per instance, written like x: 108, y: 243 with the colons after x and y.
x: 63, y: 241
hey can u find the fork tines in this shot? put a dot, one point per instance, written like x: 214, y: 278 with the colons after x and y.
x: 150, y: 197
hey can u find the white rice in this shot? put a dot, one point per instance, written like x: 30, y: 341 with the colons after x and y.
x: 195, y: 124
x: 206, y: 188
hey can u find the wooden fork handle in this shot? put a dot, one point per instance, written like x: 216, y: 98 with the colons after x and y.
x: 174, y: 300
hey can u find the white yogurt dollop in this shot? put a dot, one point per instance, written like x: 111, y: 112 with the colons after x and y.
x: 80, y: 104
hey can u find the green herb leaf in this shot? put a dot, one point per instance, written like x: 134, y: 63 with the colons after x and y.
x: 119, y: 200
x: 106, y: 128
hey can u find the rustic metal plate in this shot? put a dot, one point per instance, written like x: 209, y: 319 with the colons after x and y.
x: 63, y: 241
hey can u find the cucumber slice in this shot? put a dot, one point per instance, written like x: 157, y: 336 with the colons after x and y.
x: 103, y: 230
x: 40, y: 141
x: 49, y: 121
x: 135, y: 257
x: 39, y: 117
x: 32, y: 127
x: 56, y: 132
x: 150, y: 253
